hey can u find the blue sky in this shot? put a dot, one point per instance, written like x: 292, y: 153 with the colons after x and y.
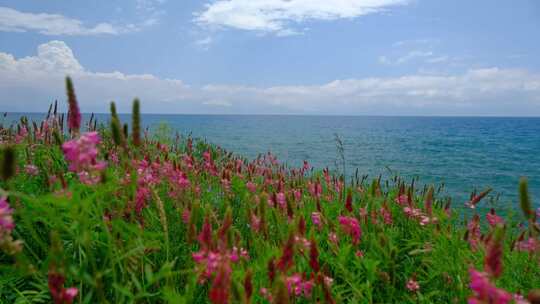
x: 374, y: 57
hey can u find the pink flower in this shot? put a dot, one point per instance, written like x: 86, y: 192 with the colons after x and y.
x: 412, y: 285
x: 60, y: 294
x: 6, y: 218
x: 387, y: 216
x: 351, y: 226
x: 31, y: 170
x: 529, y: 245
x: 412, y: 212
x: 519, y: 299
x: 493, y: 219
x: 265, y: 293
x: 255, y: 223
x: 306, y: 165
x: 402, y: 199
x: 484, y: 291
x: 297, y: 286
x: 332, y: 237
x: 316, y: 219
x: 186, y: 214
x: 297, y: 195
x: 281, y: 201
x: 474, y: 233
x: 251, y: 187
x: 81, y: 154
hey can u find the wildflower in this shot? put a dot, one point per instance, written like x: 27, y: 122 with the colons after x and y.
x: 306, y: 166
x: 297, y: 194
x: 297, y: 286
x: 333, y: 238
x: 473, y: 232
x: 519, y: 299
x: 412, y: 285
x: 387, y: 216
x: 7, y: 225
x: 493, y: 219
x: 255, y: 222
x: 281, y: 201
x: 424, y: 220
x: 475, y: 199
x: 265, y: 293
x: 81, y: 153
x: 315, y: 189
x: 328, y: 281
x: 402, y: 199
x: 251, y: 187
x: 351, y: 226
x: 60, y: 294
x: 530, y: 245
x: 412, y: 212
x: 484, y: 291
x: 21, y: 135
x: 186, y: 215
x: 359, y: 253
x: 31, y: 170
x: 316, y: 219
x: 6, y: 219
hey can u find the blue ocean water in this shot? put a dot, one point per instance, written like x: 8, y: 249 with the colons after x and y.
x: 464, y: 153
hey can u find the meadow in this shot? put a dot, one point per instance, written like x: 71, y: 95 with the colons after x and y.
x: 109, y: 213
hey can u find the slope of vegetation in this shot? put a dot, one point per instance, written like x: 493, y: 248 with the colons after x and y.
x: 107, y: 214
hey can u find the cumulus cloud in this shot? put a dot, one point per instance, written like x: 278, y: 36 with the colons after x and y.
x: 278, y: 16
x: 12, y: 20
x: 30, y: 83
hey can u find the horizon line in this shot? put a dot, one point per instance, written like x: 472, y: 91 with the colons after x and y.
x: 303, y: 114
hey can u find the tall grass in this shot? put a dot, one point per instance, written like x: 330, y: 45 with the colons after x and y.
x: 100, y: 218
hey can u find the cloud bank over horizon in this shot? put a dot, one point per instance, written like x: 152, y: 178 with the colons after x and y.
x: 29, y: 84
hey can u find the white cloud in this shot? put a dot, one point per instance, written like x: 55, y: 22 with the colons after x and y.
x: 204, y: 43
x: 27, y: 82
x: 150, y: 11
x: 412, y: 55
x: 278, y: 16
x: 12, y: 20
x: 408, y: 57
x: 438, y: 59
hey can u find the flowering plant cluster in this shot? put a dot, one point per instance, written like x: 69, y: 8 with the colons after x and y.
x: 153, y: 220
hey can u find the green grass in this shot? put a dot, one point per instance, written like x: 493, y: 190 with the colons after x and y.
x: 95, y: 237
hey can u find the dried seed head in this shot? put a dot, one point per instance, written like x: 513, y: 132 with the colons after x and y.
x: 8, y: 163
x: 74, y: 115
x: 524, y: 199
x: 136, y: 126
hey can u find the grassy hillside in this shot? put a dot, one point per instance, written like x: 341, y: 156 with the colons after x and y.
x: 103, y: 214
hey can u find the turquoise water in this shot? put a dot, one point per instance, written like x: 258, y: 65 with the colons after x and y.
x: 463, y: 153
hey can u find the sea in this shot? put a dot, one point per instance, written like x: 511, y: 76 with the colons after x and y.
x: 463, y: 153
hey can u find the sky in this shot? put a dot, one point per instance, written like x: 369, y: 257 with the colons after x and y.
x: 312, y: 57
